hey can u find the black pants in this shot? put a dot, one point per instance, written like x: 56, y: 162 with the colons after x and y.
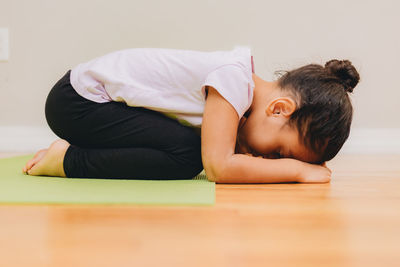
x: 113, y: 140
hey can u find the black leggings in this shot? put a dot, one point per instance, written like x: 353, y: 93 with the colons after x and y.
x: 113, y: 140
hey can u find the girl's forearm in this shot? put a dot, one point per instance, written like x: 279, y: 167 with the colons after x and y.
x: 241, y: 168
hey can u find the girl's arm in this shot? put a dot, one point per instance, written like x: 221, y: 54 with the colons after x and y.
x: 222, y: 165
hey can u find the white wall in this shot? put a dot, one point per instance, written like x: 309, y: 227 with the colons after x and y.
x: 48, y: 37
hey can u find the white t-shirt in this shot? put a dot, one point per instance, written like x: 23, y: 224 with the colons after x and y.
x: 170, y: 81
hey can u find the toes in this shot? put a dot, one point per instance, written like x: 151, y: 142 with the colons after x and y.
x: 35, y: 159
x: 32, y: 162
x: 25, y: 169
x: 33, y: 171
x: 38, y: 170
x: 29, y: 164
x: 39, y: 155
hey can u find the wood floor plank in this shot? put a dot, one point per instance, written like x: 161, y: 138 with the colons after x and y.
x: 352, y: 221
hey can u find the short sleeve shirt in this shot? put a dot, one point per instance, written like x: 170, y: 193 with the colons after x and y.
x: 170, y: 81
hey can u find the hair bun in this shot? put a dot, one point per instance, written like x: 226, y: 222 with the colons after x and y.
x: 345, y: 72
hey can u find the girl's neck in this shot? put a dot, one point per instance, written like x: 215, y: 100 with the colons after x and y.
x: 262, y: 91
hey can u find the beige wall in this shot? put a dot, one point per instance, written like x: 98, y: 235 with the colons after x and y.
x: 47, y: 37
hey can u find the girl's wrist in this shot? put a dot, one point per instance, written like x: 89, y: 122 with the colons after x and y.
x: 297, y: 168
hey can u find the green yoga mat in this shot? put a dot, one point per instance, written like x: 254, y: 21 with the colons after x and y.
x: 16, y: 187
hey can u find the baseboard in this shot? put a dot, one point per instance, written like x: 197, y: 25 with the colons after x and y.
x: 361, y: 140
x: 372, y: 141
x: 25, y: 138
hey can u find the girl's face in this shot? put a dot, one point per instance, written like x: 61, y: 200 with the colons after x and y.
x: 270, y: 139
x: 266, y: 133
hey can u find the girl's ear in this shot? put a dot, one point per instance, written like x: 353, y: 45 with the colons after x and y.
x: 281, y: 106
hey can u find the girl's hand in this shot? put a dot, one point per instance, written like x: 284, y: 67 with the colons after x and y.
x: 312, y: 173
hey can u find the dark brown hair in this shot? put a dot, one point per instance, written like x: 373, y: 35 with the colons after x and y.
x: 324, y: 112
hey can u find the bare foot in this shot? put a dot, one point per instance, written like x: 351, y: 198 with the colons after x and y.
x: 38, y: 156
x: 49, y: 162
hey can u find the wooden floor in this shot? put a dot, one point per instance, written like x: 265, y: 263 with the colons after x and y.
x: 353, y: 221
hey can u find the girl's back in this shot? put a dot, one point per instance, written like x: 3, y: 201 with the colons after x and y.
x: 167, y: 80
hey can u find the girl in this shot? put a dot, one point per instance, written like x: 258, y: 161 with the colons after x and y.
x: 152, y: 113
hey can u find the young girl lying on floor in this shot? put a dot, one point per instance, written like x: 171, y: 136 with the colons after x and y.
x: 152, y: 113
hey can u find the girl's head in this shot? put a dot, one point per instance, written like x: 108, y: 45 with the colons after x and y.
x: 305, y: 114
